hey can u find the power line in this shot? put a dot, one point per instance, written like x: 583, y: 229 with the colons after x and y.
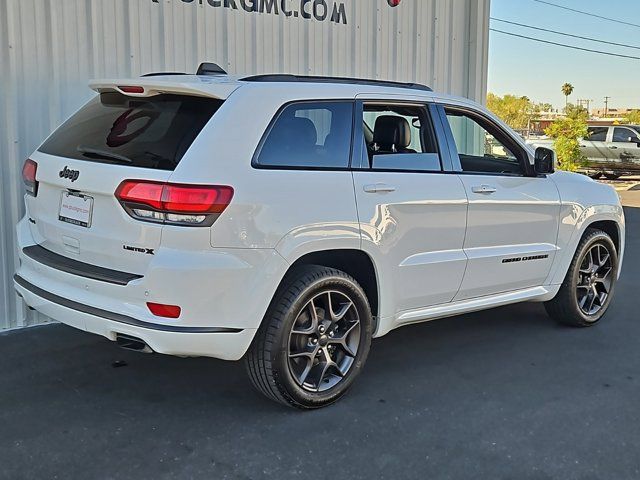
x: 591, y: 39
x: 565, y: 45
x: 588, y: 13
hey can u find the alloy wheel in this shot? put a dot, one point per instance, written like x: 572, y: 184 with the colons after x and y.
x: 324, y: 341
x: 595, y: 279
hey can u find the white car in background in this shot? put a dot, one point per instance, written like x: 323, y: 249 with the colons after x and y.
x: 608, y: 151
x: 289, y: 220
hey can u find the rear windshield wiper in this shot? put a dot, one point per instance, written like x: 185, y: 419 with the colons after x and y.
x: 103, y: 154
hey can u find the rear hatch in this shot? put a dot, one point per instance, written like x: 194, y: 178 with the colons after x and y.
x: 79, y: 167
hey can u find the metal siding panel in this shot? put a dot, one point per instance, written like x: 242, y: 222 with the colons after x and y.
x: 50, y: 48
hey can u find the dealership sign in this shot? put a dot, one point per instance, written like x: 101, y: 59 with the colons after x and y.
x: 320, y: 10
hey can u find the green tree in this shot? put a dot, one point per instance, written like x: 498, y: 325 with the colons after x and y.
x: 513, y: 110
x: 576, y: 112
x: 567, y: 89
x: 633, y: 117
x: 542, y: 107
x: 566, y: 134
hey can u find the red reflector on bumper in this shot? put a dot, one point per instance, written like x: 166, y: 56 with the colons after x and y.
x: 161, y: 310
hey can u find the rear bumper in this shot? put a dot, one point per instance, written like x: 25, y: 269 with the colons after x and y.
x: 223, y: 294
x: 218, y: 342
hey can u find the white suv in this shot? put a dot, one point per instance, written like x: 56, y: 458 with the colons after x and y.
x: 288, y: 220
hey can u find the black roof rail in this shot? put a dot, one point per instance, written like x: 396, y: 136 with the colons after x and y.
x: 210, y: 69
x: 158, y: 74
x: 277, y: 77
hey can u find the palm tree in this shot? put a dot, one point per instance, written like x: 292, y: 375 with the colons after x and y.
x: 567, y: 89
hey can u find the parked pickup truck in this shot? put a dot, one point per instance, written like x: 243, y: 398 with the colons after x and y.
x: 609, y: 151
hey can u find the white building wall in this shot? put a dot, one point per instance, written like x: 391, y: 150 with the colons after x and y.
x: 50, y: 48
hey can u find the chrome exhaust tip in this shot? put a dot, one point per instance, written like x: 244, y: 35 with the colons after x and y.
x: 132, y: 343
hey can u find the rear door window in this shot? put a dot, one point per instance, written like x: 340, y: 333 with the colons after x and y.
x: 309, y: 135
x: 153, y: 132
x: 598, y: 134
x: 400, y: 138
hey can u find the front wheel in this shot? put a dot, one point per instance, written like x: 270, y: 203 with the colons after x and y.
x: 314, y: 339
x: 612, y: 176
x: 595, y: 175
x: 587, y: 290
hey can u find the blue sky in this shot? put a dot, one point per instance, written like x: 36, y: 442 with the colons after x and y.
x: 523, y: 67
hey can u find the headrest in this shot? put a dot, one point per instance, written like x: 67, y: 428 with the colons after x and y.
x: 391, y: 130
x: 298, y: 131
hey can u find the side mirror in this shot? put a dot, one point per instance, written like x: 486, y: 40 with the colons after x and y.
x: 544, y: 161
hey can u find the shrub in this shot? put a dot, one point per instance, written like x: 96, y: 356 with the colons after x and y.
x: 566, y: 134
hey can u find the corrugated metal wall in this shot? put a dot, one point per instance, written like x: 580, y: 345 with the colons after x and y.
x: 50, y: 48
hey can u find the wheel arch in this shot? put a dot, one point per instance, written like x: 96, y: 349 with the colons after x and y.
x: 610, y: 227
x: 353, y: 262
x: 608, y: 218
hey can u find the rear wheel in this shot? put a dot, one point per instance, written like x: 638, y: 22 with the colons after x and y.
x: 612, y: 176
x: 314, y: 340
x: 588, y: 287
x: 595, y: 175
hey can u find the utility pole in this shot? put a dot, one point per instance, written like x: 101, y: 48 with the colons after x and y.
x: 586, y: 104
x: 606, y: 106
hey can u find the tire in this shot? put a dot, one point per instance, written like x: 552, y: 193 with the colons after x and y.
x: 596, y: 175
x: 580, y: 302
x: 612, y: 176
x: 288, y: 358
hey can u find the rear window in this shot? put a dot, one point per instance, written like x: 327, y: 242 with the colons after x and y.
x: 152, y: 132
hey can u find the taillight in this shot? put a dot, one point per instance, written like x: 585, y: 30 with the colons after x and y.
x: 162, y: 310
x: 175, y: 204
x: 29, y: 170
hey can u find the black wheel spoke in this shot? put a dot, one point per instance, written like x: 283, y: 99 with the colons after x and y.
x: 592, y: 300
x: 339, y: 315
x: 305, y: 373
x: 308, y: 354
x: 345, y: 347
x: 589, y: 263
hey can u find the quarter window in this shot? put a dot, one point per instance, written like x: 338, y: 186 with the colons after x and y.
x: 309, y: 135
x: 482, y: 148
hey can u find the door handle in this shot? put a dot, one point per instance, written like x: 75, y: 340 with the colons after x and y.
x: 379, y: 188
x: 613, y: 147
x: 483, y: 189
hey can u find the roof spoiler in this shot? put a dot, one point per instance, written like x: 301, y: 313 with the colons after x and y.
x: 151, y: 86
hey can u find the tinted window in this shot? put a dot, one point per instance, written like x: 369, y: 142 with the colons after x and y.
x: 482, y: 148
x: 310, y: 135
x: 598, y: 134
x: 152, y: 132
x: 400, y: 138
x: 623, y: 134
